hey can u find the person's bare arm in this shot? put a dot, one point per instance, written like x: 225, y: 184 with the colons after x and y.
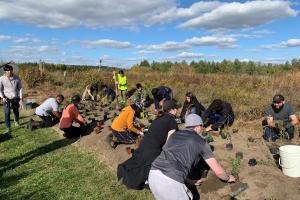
x: 170, y: 133
x: 294, y: 120
x: 56, y: 114
x: 90, y: 94
x: 219, y: 171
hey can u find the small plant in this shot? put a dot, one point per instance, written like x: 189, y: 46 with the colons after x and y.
x: 270, y: 198
x: 236, y: 164
x: 268, y: 162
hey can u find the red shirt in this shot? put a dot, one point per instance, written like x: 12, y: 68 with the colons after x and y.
x: 70, y: 114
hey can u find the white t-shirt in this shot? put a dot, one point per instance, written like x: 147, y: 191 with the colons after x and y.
x: 48, y: 106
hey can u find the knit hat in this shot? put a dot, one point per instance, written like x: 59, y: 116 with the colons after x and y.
x: 193, y: 120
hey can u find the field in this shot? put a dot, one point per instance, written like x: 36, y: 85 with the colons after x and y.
x: 42, y: 165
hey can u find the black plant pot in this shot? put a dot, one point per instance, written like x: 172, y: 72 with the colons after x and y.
x: 229, y: 146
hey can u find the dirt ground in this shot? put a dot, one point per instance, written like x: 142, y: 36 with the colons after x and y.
x: 262, y: 181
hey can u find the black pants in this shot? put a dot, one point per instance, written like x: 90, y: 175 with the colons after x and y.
x: 48, y: 121
x: 125, y: 137
x: 73, y: 132
x: 273, y: 134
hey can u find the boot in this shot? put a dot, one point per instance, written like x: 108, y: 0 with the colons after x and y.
x: 34, y: 125
x: 29, y: 125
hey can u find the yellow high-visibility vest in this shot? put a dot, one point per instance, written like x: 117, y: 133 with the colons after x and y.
x: 122, y: 80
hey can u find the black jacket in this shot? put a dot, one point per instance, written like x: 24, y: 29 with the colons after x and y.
x: 194, y: 106
x: 224, y: 114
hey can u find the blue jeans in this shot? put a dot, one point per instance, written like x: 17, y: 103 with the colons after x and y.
x: 15, y: 105
x: 273, y: 134
x: 214, y: 118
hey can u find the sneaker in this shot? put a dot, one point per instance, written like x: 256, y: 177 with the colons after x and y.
x: 29, y: 125
x: 8, y: 130
x: 17, y: 123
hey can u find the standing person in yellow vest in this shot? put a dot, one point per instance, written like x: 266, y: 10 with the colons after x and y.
x: 122, y: 84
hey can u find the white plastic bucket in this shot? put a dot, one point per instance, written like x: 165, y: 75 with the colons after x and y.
x: 290, y: 160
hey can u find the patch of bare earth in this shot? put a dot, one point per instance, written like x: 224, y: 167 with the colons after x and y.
x: 263, y: 181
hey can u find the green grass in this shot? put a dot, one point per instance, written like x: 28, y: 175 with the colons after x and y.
x: 40, y: 165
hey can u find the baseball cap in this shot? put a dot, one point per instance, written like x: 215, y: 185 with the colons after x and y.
x: 278, y: 98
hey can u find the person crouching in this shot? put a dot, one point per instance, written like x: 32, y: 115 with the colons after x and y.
x: 123, y: 129
x: 70, y: 114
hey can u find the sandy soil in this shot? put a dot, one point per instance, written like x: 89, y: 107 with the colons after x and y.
x: 263, y: 181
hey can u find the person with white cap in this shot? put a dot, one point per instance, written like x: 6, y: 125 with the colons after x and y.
x: 182, y: 151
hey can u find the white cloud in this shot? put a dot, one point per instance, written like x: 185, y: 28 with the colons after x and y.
x: 106, y: 57
x: 26, y: 40
x: 90, y: 13
x: 188, y: 55
x: 136, y: 59
x: 274, y: 60
x: 133, y: 13
x: 167, y: 46
x: 219, y: 41
x: 290, y: 43
x: 102, y: 43
x: 143, y: 52
x: 241, y: 15
x: 285, y: 44
x: 5, y: 37
x: 32, y: 50
x: 175, y: 13
x: 18, y: 39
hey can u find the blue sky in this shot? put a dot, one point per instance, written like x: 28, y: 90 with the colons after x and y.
x: 122, y: 33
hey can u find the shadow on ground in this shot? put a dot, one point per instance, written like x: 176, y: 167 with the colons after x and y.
x: 22, y: 159
x: 5, y: 137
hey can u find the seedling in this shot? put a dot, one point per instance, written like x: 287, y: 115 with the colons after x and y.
x: 236, y: 163
x: 268, y: 162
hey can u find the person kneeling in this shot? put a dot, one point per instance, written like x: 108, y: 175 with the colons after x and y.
x: 48, y: 111
x: 218, y: 115
x: 123, y: 129
x: 70, y: 114
x: 183, y: 149
x: 280, y: 120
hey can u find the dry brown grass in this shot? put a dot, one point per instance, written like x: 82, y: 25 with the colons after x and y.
x: 248, y: 94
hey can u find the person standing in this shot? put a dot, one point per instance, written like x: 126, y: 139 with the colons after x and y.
x: 183, y: 150
x: 11, y: 94
x: 122, y: 84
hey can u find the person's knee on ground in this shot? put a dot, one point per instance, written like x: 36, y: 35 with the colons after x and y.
x: 112, y: 140
x: 270, y: 134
